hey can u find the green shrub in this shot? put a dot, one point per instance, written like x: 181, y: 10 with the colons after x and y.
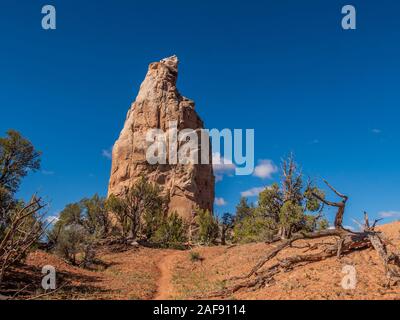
x: 171, y: 232
x: 195, y: 256
x: 135, y: 211
x: 118, y: 208
x: 72, y: 240
x: 291, y: 216
x: 282, y: 210
x: 152, y: 222
x: 226, y: 226
x: 79, y: 227
x: 95, y: 216
x: 208, y: 227
x: 254, y: 228
x: 21, y: 224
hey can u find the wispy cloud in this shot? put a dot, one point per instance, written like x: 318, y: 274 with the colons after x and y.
x: 253, y: 192
x: 265, y: 169
x: 220, y: 202
x: 222, y: 166
x: 389, y: 214
x: 332, y: 227
x: 107, y: 153
x: 376, y: 131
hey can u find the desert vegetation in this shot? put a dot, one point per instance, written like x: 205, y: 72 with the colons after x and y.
x: 79, y: 229
x: 21, y: 223
x: 283, y: 210
x: 284, y: 215
x: 141, y: 215
x: 345, y: 242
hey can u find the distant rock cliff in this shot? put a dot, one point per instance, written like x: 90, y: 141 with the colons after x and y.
x: 157, y: 104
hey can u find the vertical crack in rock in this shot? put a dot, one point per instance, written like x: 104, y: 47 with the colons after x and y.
x: 157, y: 104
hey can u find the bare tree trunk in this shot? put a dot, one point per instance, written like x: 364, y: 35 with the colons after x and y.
x: 224, y: 229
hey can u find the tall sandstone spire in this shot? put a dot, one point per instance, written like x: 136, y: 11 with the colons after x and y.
x: 157, y: 105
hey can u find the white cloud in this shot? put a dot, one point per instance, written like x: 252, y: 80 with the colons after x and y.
x: 107, y: 153
x: 220, y: 202
x: 389, y: 214
x: 265, y: 169
x: 253, y: 192
x: 222, y: 166
x: 51, y: 219
x: 331, y: 227
x: 376, y: 131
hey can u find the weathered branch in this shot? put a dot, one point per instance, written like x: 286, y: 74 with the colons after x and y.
x: 335, y: 191
x: 16, y: 241
x: 340, y: 205
x: 348, y: 241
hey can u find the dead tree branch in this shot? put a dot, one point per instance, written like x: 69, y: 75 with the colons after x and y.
x: 20, y: 234
x: 347, y: 242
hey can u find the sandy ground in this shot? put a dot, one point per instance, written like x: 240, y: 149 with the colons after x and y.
x: 129, y: 275
x: 165, y: 288
x: 171, y: 274
x: 321, y: 280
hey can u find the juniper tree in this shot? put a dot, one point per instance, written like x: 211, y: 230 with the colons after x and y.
x: 347, y: 242
x: 21, y: 224
x: 282, y: 209
x: 208, y: 227
x: 243, y: 209
x: 227, y: 222
x: 79, y: 228
x: 17, y: 158
x: 95, y: 216
x: 142, y: 201
x: 72, y: 240
x: 171, y: 231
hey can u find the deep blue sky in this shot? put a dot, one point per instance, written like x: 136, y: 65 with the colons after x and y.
x: 284, y: 68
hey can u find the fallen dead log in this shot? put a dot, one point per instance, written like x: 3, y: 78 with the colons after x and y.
x: 347, y: 242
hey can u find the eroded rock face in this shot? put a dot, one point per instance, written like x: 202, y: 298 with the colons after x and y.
x: 157, y: 105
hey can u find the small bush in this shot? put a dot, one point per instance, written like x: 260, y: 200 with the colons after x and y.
x: 208, y: 227
x: 226, y: 227
x: 79, y: 227
x: 195, y: 256
x: 72, y: 240
x: 21, y: 224
x: 89, y: 258
x: 282, y: 211
x: 138, y: 210
x: 253, y: 228
x: 21, y: 234
x: 171, y: 232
